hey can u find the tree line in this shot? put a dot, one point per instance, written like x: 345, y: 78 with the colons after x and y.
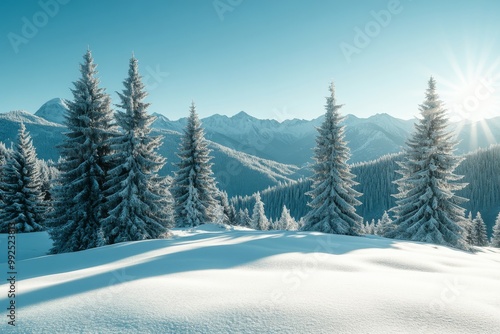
x: 106, y: 189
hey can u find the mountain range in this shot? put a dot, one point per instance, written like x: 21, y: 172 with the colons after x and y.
x: 292, y: 141
x: 245, y: 148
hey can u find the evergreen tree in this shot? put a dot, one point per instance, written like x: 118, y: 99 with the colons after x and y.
x: 479, y: 235
x: 48, y: 175
x: 243, y: 218
x: 22, y: 206
x: 272, y: 224
x: 228, y: 210
x: 384, y: 225
x: 427, y: 209
x: 4, y: 153
x: 164, y: 184
x: 79, y: 197
x: 259, y: 220
x: 194, y: 187
x: 286, y: 222
x: 369, y: 227
x: 495, y: 239
x: 136, y: 202
x: 332, y: 197
x: 468, y: 230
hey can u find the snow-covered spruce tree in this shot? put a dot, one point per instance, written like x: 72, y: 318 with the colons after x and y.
x: 333, y: 199
x: 194, y: 188
x: 384, y: 225
x: 427, y: 209
x: 243, y: 218
x: 479, y: 235
x: 79, y: 197
x: 468, y: 230
x: 286, y: 222
x: 495, y: 238
x: 4, y: 153
x: 48, y: 174
x: 135, y: 199
x: 272, y: 224
x: 164, y: 184
x: 369, y: 228
x: 259, y: 220
x: 228, y: 210
x: 22, y: 206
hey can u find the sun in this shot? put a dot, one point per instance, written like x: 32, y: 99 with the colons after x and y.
x: 471, y: 90
x: 473, y: 99
x: 471, y: 86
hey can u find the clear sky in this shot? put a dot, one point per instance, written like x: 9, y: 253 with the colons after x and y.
x: 270, y: 58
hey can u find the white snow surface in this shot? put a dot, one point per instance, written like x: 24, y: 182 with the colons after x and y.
x: 220, y: 279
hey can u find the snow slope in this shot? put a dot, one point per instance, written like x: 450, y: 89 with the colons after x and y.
x: 219, y: 280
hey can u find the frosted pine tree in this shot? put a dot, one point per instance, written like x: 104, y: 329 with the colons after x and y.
x: 259, y: 220
x: 479, y: 235
x: 22, y: 205
x: 136, y: 203
x: 272, y: 224
x: 286, y: 222
x: 79, y: 197
x: 194, y: 188
x: 427, y: 209
x: 495, y: 239
x: 369, y: 227
x: 4, y: 153
x: 384, y: 225
x: 228, y: 210
x: 163, y: 184
x: 468, y: 230
x: 333, y: 199
x: 243, y: 218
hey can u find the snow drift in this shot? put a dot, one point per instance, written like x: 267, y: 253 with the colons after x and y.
x: 216, y: 279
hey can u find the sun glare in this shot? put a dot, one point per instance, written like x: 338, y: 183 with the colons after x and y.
x: 471, y: 92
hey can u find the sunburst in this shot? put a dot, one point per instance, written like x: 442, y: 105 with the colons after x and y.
x: 472, y: 93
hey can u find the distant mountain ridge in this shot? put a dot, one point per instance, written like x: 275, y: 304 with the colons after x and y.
x: 289, y: 142
x: 231, y: 168
x: 246, y: 148
x: 292, y: 141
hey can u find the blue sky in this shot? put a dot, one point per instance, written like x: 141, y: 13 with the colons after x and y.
x: 270, y: 58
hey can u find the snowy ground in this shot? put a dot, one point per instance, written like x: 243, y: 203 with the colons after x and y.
x: 217, y: 280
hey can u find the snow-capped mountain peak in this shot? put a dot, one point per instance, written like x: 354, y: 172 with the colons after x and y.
x: 53, y: 111
x: 241, y: 115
